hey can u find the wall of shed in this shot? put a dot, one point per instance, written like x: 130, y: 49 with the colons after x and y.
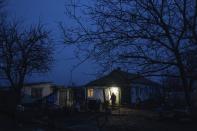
x: 46, y: 89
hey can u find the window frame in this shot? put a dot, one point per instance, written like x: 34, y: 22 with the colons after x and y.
x: 90, y: 92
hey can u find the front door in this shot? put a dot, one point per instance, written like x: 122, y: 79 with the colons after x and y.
x: 113, y: 91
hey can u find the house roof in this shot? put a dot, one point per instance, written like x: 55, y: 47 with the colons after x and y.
x: 37, y: 83
x: 119, y: 77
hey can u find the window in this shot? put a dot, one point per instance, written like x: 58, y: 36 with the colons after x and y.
x: 90, y: 92
x: 36, y: 92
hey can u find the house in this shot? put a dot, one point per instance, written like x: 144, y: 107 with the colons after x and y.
x: 128, y: 88
x: 47, y: 92
x: 42, y: 93
x: 38, y: 91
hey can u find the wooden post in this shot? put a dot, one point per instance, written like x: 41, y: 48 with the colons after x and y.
x: 104, y: 97
x: 86, y: 98
x: 105, y: 105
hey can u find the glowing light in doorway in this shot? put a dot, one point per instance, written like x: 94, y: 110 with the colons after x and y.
x: 114, y: 90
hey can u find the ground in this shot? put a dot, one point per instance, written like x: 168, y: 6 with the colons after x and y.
x: 136, y: 120
x: 123, y: 119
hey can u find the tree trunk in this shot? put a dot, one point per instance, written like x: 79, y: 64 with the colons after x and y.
x: 18, y: 96
x: 186, y: 88
x: 184, y: 81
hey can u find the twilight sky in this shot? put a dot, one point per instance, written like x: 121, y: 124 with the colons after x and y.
x: 50, y: 12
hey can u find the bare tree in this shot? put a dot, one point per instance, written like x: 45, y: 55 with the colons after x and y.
x: 23, y: 52
x: 150, y: 36
x: 2, y: 13
x: 191, y: 20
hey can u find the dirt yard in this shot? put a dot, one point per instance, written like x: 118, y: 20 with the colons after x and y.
x: 123, y: 119
x: 135, y: 120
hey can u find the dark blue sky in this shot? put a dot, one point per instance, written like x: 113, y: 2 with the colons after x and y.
x: 50, y: 12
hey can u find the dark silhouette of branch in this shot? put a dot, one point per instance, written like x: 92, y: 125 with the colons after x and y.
x: 150, y: 36
x: 23, y: 51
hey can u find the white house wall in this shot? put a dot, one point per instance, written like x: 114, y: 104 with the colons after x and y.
x: 143, y: 92
x: 98, y: 94
x: 107, y: 94
x: 57, y: 102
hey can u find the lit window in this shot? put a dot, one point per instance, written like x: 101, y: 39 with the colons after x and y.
x: 90, y: 92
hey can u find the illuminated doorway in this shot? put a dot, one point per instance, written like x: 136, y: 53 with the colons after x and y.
x: 116, y: 91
